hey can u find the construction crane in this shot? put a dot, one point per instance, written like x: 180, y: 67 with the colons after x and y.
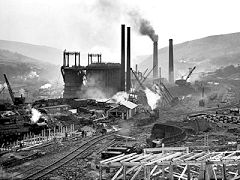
x: 183, y: 82
x: 15, y: 100
x: 139, y: 82
x: 9, y: 88
x: 162, y: 91
x: 144, y: 78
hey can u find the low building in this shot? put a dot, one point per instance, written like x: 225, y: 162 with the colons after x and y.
x: 124, y: 109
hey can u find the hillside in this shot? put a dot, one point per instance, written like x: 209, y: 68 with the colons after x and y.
x: 43, y: 53
x: 22, y: 69
x: 207, y: 54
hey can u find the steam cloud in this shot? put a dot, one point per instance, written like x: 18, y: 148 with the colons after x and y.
x: 143, y: 25
x: 125, y: 128
x: 120, y: 96
x: 46, y: 86
x: 4, y: 85
x: 93, y: 88
x: 94, y: 93
x: 152, y: 98
x: 35, y: 115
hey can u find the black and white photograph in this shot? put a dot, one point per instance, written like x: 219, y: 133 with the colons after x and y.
x: 119, y: 90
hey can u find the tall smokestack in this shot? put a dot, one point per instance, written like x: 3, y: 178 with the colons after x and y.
x: 155, y: 58
x: 123, y: 57
x: 171, y: 71
x: 128, y: 59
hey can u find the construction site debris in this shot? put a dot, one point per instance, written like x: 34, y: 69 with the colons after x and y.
x: 125, y: 137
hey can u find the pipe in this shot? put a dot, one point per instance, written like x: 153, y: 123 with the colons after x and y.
x: 171, y: 71
x: 128, y: 83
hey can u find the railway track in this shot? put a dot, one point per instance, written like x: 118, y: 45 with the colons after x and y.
x: 81, y: 150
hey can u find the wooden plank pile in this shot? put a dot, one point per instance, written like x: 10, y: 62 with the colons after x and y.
x: 174, y: 162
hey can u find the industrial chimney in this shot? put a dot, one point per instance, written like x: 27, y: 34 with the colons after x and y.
x: 171, y: 71
x: 155, y: 57
x: 128, y: 81
x: 123, y: 57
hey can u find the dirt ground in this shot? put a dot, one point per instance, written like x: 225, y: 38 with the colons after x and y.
x: 87, y: 169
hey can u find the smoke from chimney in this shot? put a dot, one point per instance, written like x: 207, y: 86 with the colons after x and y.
x: 143, y: 26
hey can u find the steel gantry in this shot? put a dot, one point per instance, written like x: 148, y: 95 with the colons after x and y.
x: 173, y: 163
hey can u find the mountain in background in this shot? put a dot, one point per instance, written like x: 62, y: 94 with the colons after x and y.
x: 42, y: 53
x: 207, y: 54
x: 23, y: 70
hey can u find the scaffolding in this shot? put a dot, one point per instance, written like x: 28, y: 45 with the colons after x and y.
x: 174, y: 163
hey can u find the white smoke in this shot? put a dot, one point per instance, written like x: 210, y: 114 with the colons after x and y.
x: 84, y: 80
x: 33, y: 74
x: 120, y: 96
x: 93, y: 93
x: 35, y: 115
x: 152, y: 98
x: 4, y: 85
x: 46, y: 86
x: 22, y: 91
x: 124, y: 128
x: 92, y: 88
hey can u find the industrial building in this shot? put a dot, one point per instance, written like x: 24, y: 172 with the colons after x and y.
x: 108, y: 78
x: 125, y: 110
x: 78, y: 79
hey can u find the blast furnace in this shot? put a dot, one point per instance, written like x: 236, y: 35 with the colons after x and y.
x: 85, y: 81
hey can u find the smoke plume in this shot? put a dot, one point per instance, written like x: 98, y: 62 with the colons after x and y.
x: 35, y: 115
x: 124, y: 128
x: 120, y: 96
x: 142, y: 25
x: 93, y: 88
x: 152, y: 98
x: 46, y: 86
x: 93, y: 93
x: 113, y: 11
x: 4, y: 85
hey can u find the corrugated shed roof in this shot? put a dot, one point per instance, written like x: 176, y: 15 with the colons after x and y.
x: 128, y: 104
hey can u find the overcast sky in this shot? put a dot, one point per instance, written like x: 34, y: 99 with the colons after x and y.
x: 94, y: 25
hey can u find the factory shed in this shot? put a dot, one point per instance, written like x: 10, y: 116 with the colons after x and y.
x: 124, y: 109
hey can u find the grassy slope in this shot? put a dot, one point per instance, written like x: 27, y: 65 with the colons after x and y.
x: 207, y: 54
